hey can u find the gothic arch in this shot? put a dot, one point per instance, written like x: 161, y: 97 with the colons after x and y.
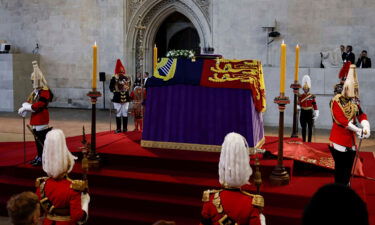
x: 152, y: 14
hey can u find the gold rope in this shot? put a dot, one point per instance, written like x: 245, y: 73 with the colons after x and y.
x: 191, y: 147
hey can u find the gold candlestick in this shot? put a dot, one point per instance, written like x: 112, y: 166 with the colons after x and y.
x: 279, y: 175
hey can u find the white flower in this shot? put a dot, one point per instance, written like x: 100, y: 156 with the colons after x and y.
x: 180, y: 53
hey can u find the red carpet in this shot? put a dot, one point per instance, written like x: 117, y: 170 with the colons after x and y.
x: 312, y: 153
x: 12, y: 153
x: 139, y: 186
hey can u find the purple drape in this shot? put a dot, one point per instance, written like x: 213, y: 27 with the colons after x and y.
x: 200, y: 115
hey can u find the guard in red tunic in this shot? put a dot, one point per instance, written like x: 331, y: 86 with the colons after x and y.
x: 37, y: 104
x: 346, y: 112
x: 120, y: 86
x: 137, y: 97
x: 309, y: 108
x: 61, y: 198
x: 231, y: 205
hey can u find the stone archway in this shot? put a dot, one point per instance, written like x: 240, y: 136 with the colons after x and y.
x: 177, y: 32
x: 151, y: 14
x: 185, y: 39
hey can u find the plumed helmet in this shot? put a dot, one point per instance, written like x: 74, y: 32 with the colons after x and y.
x: 57, y: 159
x: 351, y: 85
x: 234, y: 165
x: 120, y: 69
x: 344, y: 70
x: 37, y: 77
x: 306, y: 82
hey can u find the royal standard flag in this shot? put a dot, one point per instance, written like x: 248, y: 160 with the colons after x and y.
x: 171, y: 71
x: 219, y: 73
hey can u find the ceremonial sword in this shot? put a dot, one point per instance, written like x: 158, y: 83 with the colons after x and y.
x: 36, y: 137
x: 356, y: 158
x: 24, y: 141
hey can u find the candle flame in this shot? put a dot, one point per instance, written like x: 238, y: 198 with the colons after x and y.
x: 283, y: 42
x: 95, y: 43
x: 297, y: 46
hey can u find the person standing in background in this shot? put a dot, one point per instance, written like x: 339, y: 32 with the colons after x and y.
x: 137, y: 108
x: 309, y: 108
x: 363, y: 60
x: 349, y: 55
x: 120, y: 86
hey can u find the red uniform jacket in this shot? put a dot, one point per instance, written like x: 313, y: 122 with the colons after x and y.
x: 307, y: 101
x: 339, y: 134
x: 62, y: 196
x: 39, y: 102
x: 134, y: 96
x: 237, y: 205
x: 138, y: 102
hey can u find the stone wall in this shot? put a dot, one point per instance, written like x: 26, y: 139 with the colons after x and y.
x: 65, y: 31
x: 15, y: 84
x: 315, y: 25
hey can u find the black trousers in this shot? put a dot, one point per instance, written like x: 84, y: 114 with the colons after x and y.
x: 306, y: 120
x: 39, y: 140
x: 343, y: 165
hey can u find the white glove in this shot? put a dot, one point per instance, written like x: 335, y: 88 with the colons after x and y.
x: 22, y: 112
x: 262, y: 219
x: 27, y: 106
x: 366, y: 128
x: 298, y: 107
x: 355, y: 129
x: 85, y: 200
x: 316, y: 114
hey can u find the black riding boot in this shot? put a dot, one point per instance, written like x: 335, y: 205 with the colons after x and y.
x: 118, y: 125
x: 310, y: 130
x: 304, y: 134
x: 125, y: 124
x: 39, y: 141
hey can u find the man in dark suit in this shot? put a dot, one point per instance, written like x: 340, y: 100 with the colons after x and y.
x: 363, y: 60
x: 349, y: 55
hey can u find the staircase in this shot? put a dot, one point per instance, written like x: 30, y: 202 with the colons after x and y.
x: 131, y: 189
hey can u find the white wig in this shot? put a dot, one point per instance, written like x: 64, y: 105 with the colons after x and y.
x: 234, y: 165
x: 57, y: 158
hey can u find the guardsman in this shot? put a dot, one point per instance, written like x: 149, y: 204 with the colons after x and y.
x: 231, y: 205
x: 120, y: 86
x: 37, y: 104
x: 63, y: 200
x: 137, y: 110
x: 346, y: 112
x: 309, y: 108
